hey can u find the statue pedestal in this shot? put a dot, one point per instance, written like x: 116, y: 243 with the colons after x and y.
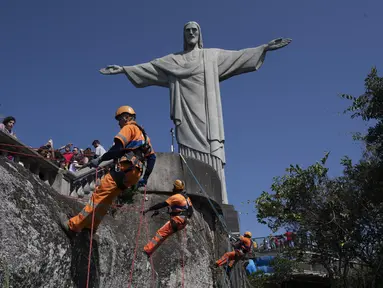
x: 169, y: 167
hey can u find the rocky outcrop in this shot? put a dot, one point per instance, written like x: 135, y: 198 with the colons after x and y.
x: 35, y: 252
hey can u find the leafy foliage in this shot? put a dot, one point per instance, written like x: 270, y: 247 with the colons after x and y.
x: 369, y: 106
x: 344, y: 215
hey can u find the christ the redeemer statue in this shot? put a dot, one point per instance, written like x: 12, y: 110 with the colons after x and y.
x: 193, y: 77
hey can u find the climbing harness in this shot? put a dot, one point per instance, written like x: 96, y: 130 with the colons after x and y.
x: 134, y: 153
x: 136, y: 150
x: 186, y: 210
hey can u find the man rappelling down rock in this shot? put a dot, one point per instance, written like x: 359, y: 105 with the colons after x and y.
x: 181, y: 210
x: 131, y: 151
x: 242, y: 247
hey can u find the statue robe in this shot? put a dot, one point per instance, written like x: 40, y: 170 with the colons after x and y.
x: 195, y: 100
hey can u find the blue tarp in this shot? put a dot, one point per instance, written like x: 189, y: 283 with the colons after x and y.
x: 260, y: 264
x: 250, y: 268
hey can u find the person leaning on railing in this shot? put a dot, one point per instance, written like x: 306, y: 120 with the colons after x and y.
x: 7, y: 125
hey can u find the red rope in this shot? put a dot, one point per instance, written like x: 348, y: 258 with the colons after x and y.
x: 31, y: 148
x: 91, y: 237
x: 34, y: 149
x: 18, y: 146
x: 23, y: 154
x: 137, y: 237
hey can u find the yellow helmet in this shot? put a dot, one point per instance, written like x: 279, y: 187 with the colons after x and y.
x: 124, y: 109
x: 247, y: 234
x: 179, y: 184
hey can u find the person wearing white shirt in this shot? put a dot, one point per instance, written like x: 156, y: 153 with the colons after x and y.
x: 99, y: 149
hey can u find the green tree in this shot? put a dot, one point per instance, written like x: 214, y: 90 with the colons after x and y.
x: 344, y: 215
x: 369, y: 107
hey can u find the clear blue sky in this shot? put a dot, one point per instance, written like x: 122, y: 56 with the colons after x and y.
x: 287, y: 112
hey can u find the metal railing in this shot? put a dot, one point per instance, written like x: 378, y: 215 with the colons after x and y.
x: 279, y: 243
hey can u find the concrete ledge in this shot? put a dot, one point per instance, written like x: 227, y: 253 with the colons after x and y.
x: 231, y: 218
x: 170, y: 167
x: 34, y: 162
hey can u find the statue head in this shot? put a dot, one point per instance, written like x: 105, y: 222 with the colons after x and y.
x: 192, y: 35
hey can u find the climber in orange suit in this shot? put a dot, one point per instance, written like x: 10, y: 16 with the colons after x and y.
x: 181, y: 209
x: 241, y: 247
x: 131, y: 151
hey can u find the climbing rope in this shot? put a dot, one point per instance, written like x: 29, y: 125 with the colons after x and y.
x: 219, y: 216
x: 137, y: 237
x: 91, y: 236
x: 23, y: 154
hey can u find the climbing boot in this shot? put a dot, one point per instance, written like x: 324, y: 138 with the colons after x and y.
x: 63, y: 221
x: 228, y: 270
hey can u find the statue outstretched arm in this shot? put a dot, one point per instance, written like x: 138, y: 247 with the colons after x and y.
x: 141, y: 75
x: 231, y: 63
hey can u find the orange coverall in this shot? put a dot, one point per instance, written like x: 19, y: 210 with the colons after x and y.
x: 241, y: 248
x: 177, y: 204
x: 132, y: 138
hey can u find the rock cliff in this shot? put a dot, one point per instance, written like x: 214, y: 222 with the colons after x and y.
x: 35, y: 252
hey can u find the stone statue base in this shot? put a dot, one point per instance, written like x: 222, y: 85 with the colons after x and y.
x: 213, y: 161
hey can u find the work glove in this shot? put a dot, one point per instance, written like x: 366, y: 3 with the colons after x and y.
x: 155, y: 213
x: 94, y: 162
x: 142, y: 183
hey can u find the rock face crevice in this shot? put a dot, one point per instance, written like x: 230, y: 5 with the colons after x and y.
x: 35, y: 252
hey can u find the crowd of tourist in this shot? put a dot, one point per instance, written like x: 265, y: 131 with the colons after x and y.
x: 68, y: 157
x: 282, y: 241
